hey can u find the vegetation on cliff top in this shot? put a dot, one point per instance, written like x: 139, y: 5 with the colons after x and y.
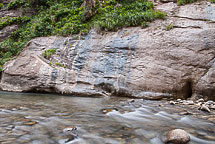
x: 67, y: 17
x: 1, y: 5
x: 183, y: 2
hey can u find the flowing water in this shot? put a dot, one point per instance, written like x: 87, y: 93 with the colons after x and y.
x: 45, y: 119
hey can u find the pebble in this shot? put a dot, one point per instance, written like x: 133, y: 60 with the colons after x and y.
x: 177, y: 136
x: 132, y: 100
x: 31, y: 123
x: 172, y: 102
x: 107, y: 110
x: 204, y: 108
x: 190, y: 102
x: 200, y: 100
x: 178, y: 100
x: 13, y: 109
x: 212, y: 107
x: 209, y: 103
x: 23, y: 108
x: 199, y: 104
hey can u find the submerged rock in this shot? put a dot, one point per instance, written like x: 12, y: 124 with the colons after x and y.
x: 71, y: 133
x: 186, y: 113
x: 107, y: 110
x: 177, y: 136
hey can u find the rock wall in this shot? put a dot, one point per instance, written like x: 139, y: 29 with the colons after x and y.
x: 172, y: 58
x: 4, y: 12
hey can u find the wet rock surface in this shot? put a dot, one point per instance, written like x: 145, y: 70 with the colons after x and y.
x: 200, y: 104
x: 132, y: 62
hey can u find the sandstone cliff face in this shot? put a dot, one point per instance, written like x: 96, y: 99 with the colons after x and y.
x: 173, y: 58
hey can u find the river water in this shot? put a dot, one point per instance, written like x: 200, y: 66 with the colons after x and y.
x: 45, y: 119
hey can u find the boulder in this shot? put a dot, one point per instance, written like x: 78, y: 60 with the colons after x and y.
x: 150, y: 63
x: 177, y: 136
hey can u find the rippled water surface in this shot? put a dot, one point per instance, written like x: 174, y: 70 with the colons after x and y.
x: 42, y: 119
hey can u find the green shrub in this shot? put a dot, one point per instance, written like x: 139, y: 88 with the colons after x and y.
x: 129, y: 13
x: 50, y: 63
x: 144, y: 24
x: 182, y: 2
x: 10, y: 48
x: 169, y: 27
x: 59, y: 64
x: 15, y: 4
x: 5, y: 21
x: 1, y: 5
x: 49, y: 53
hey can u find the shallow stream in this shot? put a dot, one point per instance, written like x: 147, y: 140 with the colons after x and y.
x: 43, y: 119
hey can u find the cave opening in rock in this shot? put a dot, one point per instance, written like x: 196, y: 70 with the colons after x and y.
x: 188, y: 90
x: 49, y: 90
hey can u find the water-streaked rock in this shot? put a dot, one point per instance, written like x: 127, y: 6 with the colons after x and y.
x: 149, y: 63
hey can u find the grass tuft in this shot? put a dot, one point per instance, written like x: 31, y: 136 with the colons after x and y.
x: 49, y: 53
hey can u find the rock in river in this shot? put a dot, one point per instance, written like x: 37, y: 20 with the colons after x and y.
x: 205, y: 108
x: 70, y: 132
x: 177, y: 136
